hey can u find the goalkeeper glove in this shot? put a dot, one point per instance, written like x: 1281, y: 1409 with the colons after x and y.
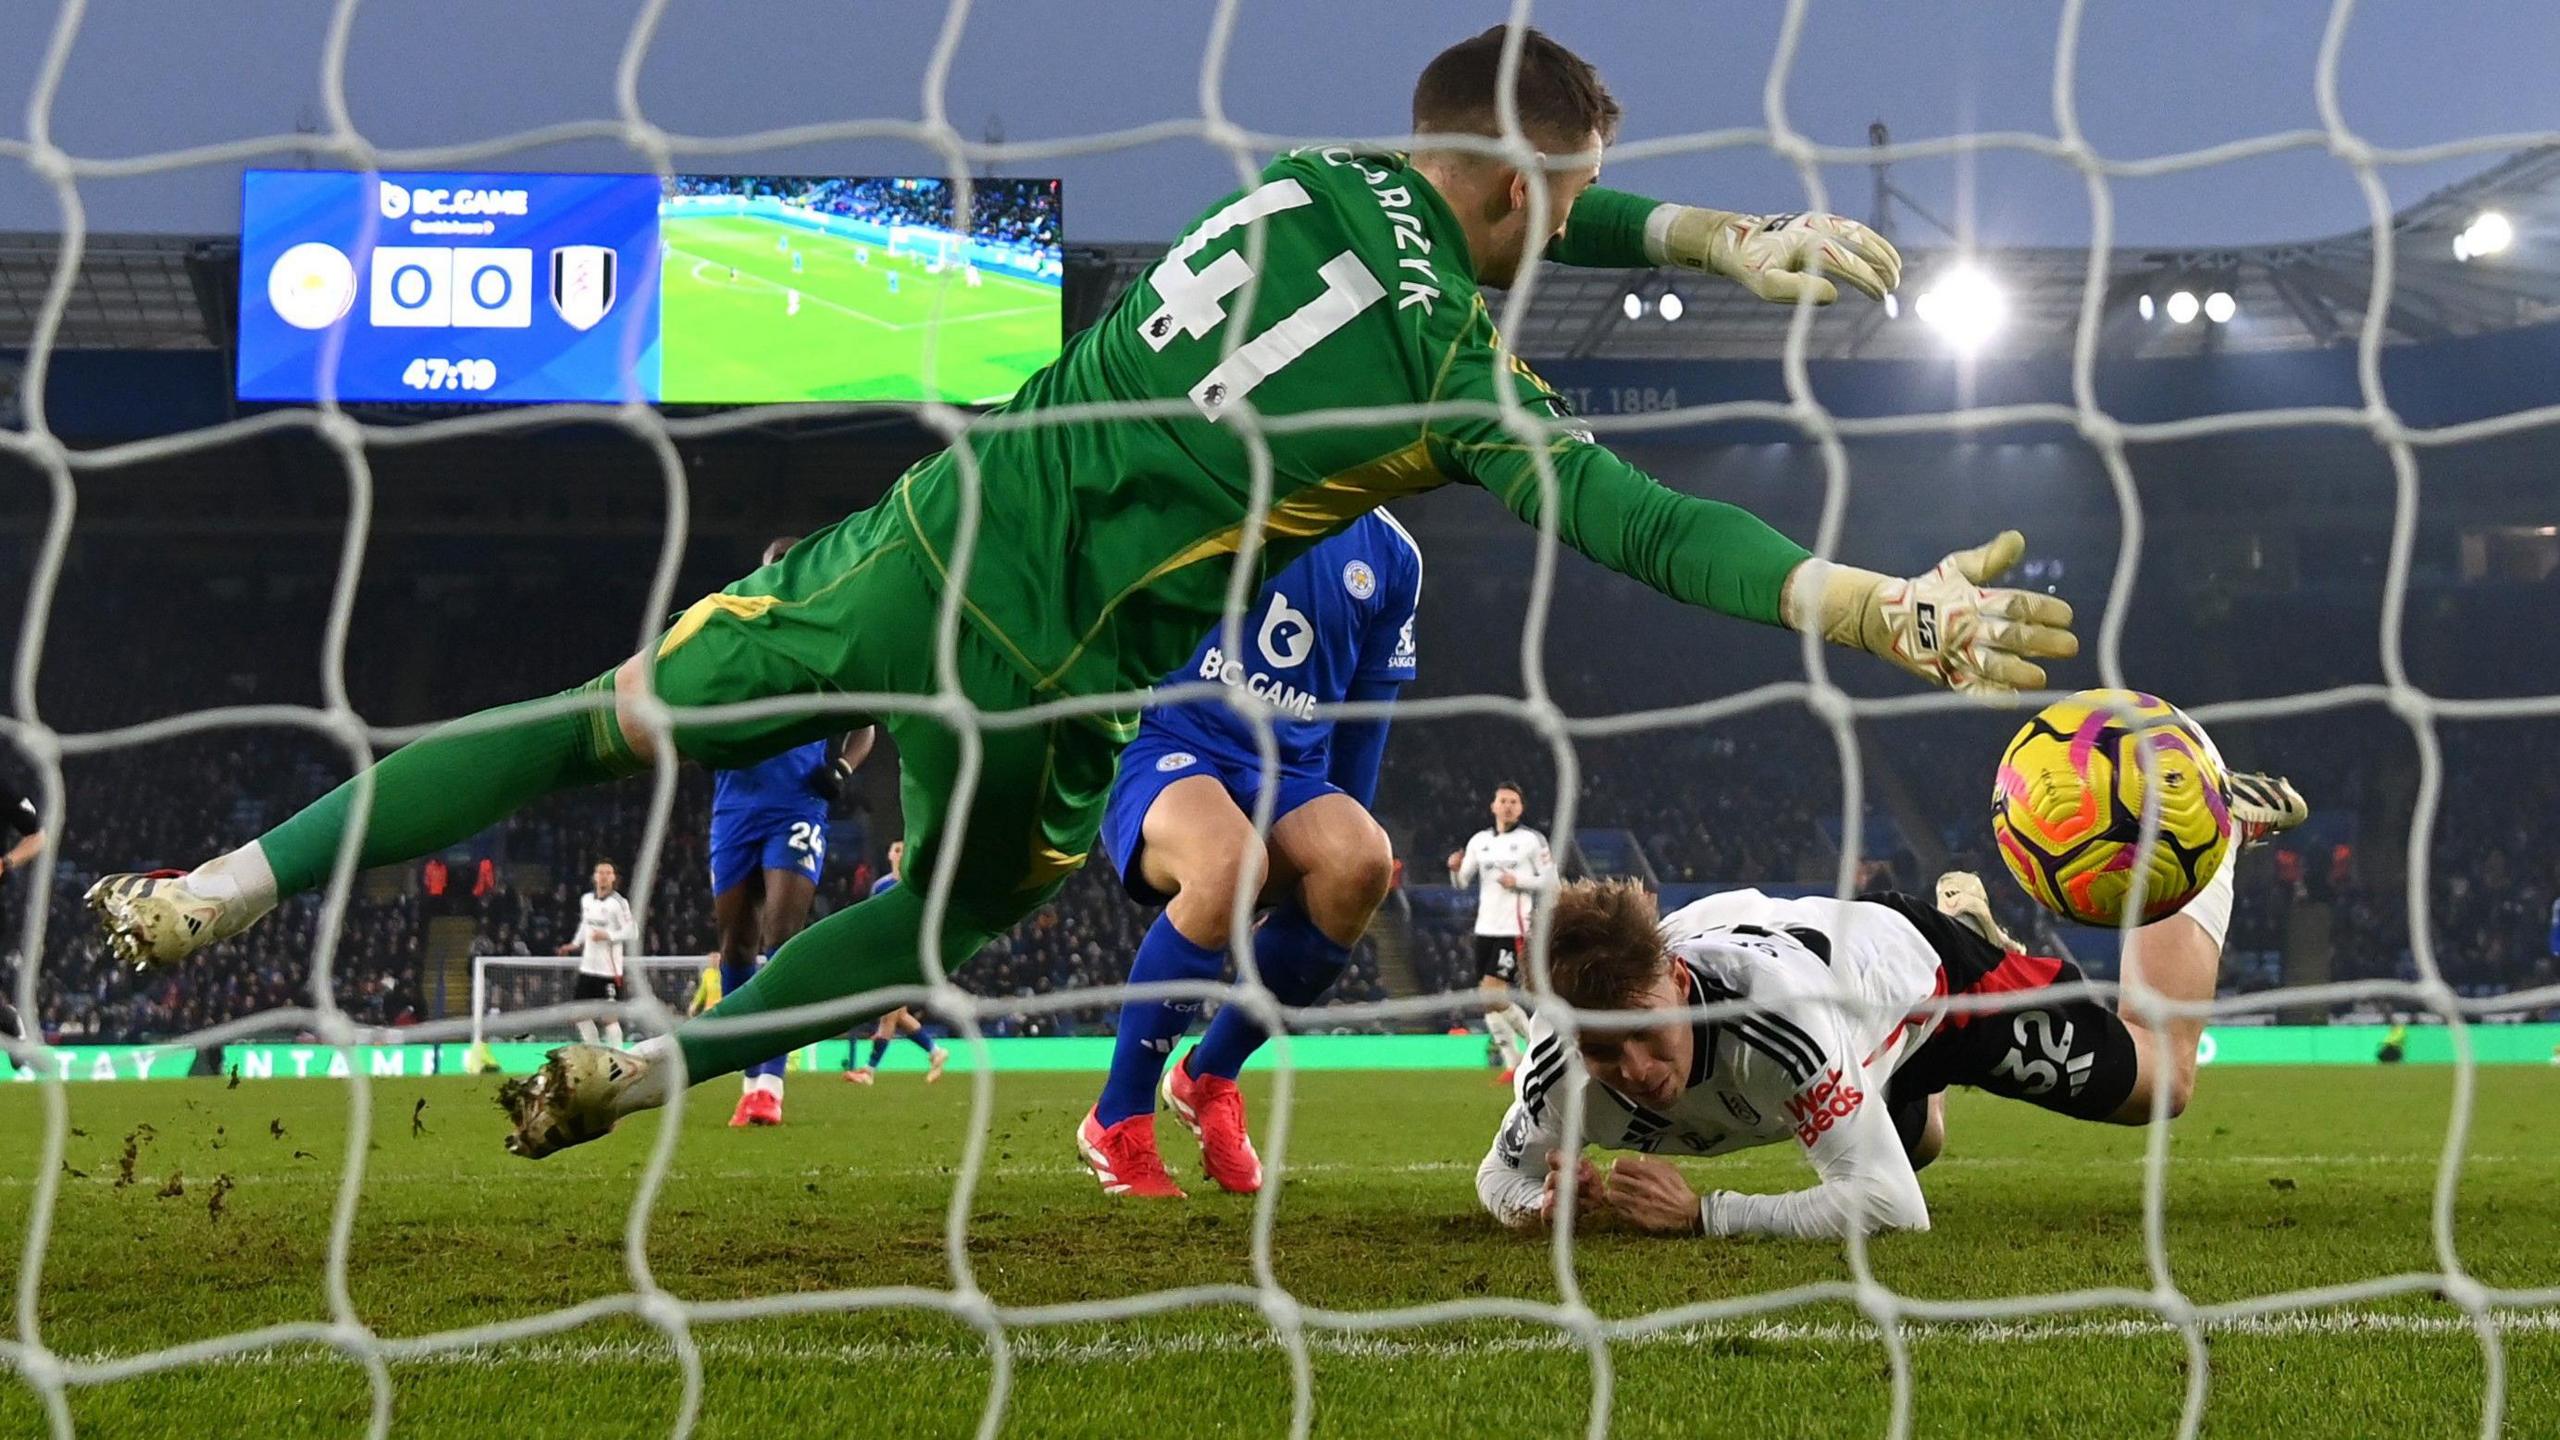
x: 1943, y: 626
x: 829, y: 783
x: 1771, y: 255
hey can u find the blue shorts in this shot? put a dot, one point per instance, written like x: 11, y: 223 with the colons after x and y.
x: 1153, y: 762
x: 741, y: 845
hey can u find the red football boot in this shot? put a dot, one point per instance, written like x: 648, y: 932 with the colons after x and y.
x: 1212, y: 1108
x: 1123, y: 1157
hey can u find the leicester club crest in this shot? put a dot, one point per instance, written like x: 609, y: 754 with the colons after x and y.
x: 582, y: 283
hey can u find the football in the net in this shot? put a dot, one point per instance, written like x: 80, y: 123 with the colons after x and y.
x: 2066, y: 806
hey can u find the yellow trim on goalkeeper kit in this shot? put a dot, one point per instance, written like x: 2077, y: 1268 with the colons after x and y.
x: 1342, y: 496
x: 699, y: 613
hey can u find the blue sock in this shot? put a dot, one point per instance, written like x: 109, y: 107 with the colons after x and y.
x: 1148, y: 1028
x: 923, y: 1039
x: 732, y: 978
x: 1298, y: 962
x: 879, y: 1047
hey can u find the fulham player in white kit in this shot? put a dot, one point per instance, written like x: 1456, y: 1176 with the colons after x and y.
x: 1509, y: 864
x: 1840, y: 1050
x: 606, y: 931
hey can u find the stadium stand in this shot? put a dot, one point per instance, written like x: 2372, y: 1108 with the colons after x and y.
x: 1723, y: 804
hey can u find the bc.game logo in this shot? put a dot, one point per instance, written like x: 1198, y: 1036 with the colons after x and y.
x: 582, y: 283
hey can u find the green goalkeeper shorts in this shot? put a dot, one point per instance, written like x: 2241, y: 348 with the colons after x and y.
x: 852, y: 610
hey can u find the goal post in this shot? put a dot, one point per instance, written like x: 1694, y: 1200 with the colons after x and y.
x: 503, y: 985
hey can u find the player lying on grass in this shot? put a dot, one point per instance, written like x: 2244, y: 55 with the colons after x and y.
x: 1336, y: 625
x: 1857, y: 1085
x: 768, y: 847
x: 900, y: 1021
x: 1104, y: 553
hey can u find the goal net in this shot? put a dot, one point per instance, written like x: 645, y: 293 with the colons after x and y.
x: 1732, y: 1325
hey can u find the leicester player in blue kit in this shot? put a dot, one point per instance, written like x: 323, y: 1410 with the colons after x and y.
x: 900, y: 1021
x: 768, y: 845
x: 1336, y: 625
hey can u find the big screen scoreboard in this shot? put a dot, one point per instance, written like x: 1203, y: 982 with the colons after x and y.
x: 686, y: 289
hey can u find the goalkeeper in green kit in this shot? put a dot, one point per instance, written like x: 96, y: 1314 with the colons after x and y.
x: 1105, y: 544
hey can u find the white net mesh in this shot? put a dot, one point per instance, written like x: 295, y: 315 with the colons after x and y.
x: 1296, y: 1327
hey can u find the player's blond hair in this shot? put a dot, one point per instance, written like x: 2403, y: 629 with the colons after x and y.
x: 1604, y: 945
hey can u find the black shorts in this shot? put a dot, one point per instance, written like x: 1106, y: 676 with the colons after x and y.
x: 596, y: 987
x: 1498, y: 958
x: 2074, y: 1057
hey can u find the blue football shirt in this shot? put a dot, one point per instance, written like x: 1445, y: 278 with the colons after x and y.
x: 1339, y: 614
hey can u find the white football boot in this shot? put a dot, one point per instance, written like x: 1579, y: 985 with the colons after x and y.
x: 1962, y: 899
x: 159, y: 919
x: 578, y: 1095
x: 2262, y: 806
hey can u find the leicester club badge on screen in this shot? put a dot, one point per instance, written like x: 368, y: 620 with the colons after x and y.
x: 448, y: 287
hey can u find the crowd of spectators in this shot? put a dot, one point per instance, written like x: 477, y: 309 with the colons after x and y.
x: 1709, y: 803
x: 1754, y: 798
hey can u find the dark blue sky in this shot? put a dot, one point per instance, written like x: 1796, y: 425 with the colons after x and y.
x: 2156, y: 76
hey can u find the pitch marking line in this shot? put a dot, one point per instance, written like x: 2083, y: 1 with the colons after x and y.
x: 1030, y: 1346
x: 745, y: 275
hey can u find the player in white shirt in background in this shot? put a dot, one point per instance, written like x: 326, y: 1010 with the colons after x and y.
x: 1509, y: 864
x: 606, y: 931
x: 1840, y: 1048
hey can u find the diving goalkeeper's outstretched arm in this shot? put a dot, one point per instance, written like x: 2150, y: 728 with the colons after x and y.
x: 1495, y: 422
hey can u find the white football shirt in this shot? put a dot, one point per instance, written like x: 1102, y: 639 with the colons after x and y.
x: 1795, y: 1067
x: 612, y: 915
x: 1518, y: 852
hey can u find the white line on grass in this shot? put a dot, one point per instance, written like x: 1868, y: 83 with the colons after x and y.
x: 746, y: 275
x: 776, y: 286
x: 1031, y: 1346
x: 976, y: 315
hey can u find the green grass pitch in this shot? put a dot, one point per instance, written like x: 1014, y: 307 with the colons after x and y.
x: 2280, y: 1180
x: 739, y: 341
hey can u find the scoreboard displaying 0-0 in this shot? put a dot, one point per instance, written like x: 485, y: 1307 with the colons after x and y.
x: 685, y: 289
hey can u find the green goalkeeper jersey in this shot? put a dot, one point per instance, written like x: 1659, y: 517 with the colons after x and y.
x: 1115, y: 487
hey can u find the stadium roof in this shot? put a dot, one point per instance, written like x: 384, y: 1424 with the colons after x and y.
x: 134, y: 292
x: 2294, y: 296
x: 157, y: 292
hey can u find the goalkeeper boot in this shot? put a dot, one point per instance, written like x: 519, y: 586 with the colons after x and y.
x: 159, y: 919
x: 577, y: 1096
x: 1212, y: 1108
x: 1961, y: 898
x: 1123, y: 1157
x: 2262, y: 806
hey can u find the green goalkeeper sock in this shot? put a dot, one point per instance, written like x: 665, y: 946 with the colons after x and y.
x: 452, y: 785
x: 870, y: 946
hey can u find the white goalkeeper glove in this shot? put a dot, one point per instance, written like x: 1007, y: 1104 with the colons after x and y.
x: 1943, y: 626
x: 1773, y: 256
